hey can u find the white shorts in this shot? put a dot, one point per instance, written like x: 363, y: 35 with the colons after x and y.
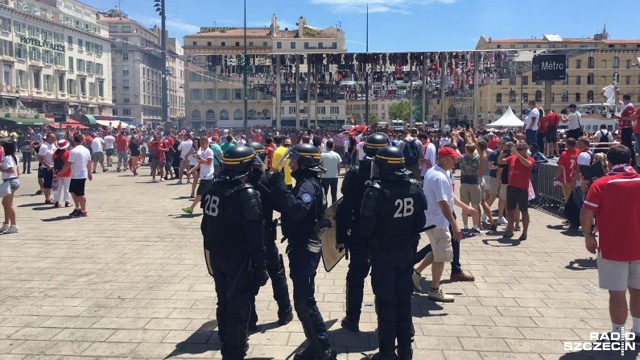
x: 440, y: 244
x: 618, y: 275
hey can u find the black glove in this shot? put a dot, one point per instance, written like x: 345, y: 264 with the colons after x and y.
x: 254, y: 175
x: 260, y: 278
x: 275, y: 179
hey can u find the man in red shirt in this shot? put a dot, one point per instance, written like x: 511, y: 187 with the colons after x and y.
x: 619, y: 229
x: 625, y: 123
x: 542, y: 129
x: 122, y: 149
x: 520, y: 167
x: 567, y: 164
x: 552, y: 120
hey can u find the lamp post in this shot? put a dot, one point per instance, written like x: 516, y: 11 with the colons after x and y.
x: 160, y: 9
x: 366, y: 75
x: 244, y: 70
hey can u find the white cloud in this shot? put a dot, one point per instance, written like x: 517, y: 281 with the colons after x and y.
x: 177, y: 27
x: 376, y: 6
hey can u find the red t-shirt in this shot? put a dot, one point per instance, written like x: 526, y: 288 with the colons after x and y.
x: 553, y: 119
x: 542, y: 125
x: 636, y: 129
x: 493, y: 144
x: 88, y: 139
x: 618, y: 226
x: 269, y: 151
x: 65, y: 158
x: 519, y: 175
x: 568, y: 160
x: 122, y: 144
x: 628, y: 111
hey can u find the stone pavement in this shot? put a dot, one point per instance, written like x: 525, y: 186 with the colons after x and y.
x: 130, y: 281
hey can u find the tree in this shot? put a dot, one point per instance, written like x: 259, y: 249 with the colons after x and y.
x: 400, y: 111
x: 374, y: 118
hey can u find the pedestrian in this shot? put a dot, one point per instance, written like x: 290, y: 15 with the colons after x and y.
x: 10, y: 174
x: 97, y: 153
x: 109, y: 147
x: 185, y: 146
x: 27, y: 155
x: 234, y: 247
x: 520, y: 167
x: 348, y: 227
x: 470, y: 190
x: 301, y: 210
x: 167, y: 143
x: 122, y: 151
x: 331, y: 162
x: 552, y: 120
x: 575, y: 126
x: 531, y: 123
x: 60, y: 158
x: 275, y: 265
x: 80, y: 163
x: 392, y: 240
x: 625, y: 123
x: 134, y: 150
x: 567, y: 165
x: 283, y: 145
x: 618, y: 245
x: 45, y: 155
x: 205, y: 168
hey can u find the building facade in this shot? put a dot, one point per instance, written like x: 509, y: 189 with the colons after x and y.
x: 214, y: 82
x: 137, y: 70
x: 54, y: 58
x: 592, y: 64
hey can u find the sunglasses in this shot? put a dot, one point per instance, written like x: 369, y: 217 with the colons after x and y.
x: 520, y: 149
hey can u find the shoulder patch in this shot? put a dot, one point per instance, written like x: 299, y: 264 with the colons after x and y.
x: 307, y: 198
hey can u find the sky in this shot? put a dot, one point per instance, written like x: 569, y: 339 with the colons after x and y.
x: 401, y: 25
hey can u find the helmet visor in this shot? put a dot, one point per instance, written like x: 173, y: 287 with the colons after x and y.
x: 290, y: 157
x: 259, y: 163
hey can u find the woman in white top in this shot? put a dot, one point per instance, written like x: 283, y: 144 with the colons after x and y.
x: 192, y: 155
x: 10, y: 170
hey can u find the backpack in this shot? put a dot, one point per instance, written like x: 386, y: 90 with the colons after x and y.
x: 58, y: 163
x: 604, y: 137
x: 411, y: 152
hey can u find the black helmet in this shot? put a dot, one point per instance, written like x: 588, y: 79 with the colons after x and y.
x: 237, y: 160
x: 307, y: 155
x: 375, y: 142
x: 259, y: 149
x: 389, y: 159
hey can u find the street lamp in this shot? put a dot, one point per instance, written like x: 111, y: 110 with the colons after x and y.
x: 244, y: 69
x: 160, y: 9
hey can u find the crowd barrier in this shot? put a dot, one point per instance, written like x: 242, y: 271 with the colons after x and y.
x: 548, y: 196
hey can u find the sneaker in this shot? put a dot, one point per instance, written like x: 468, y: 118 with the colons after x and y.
x: 105, y: 170
x: 518, y: 228
x: 13, y: 229
x: 4, y: 228
x: 188, y: 181
x: 75, y: 213
x: 179, y: 182
x: 93, y: 172
x: 188, y: 210
x: 39, y: 192
x: 67, y: 204
x: 162, y: 179
x: 484, y: 217
x: 502, y: 221
x: 493, y: 227
x: 439, y: 295
x: 416, y: 281
x: 83, y: 213
x: 48, y: 202
x: 475, y: 231
x: 56, y: 204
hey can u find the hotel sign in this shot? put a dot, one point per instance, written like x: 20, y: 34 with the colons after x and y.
x: 43, y: 44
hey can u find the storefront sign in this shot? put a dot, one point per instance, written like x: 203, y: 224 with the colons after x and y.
x: 44, y: 44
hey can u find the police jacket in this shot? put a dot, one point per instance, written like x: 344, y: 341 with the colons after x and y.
x: 301, y: 207
x: 268, y: 205
x: 232, y: 222
x: 354, y: 185
x: 392, y: 214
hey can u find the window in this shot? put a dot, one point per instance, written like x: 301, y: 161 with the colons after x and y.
x: 6, y: 48
x: 590, y: 79
x: 101, y: 89
x: 80, y: 66
x: 538, y: 96
x: 83, y: 86
x: 292, y: 110
x: 250, y: 43
x: 293, y: 45
x: 264, y: 44
x: 21, y: 51
x: 578, y: 64
x: 61, y: 82
x: 37, y: 76
x: 125, y: 73
x: 125, y: 55
x: 113, y: 28
x: 525, y: 97
x: 194, y: 43
x: 616, y: 62
x: 237, y: 115
x: 512, y: 96
x: 70, y: 41
x: 512, y: 80
x: 47, y: 56
x: 208, y: 43
x: 279, y: 45
x: 237, y: 94
x: 525, y: 80
x: 71, y: 86
x: 208, y: 94
x: 126, y: 112
x: 578, y: 97
x: 126, y: 28
x: 565, y: 96
x: 334, y: 45
x: 590, y: 96
x: 125, y: 85
x: 627, y: 80
x: 592, y: 62
x: 334, y: 110
x: 196, y: 94
x: 92, y: 89
x: 19, y: 27
x: 237, y: 43
x: 195, y: 115
x: 210, y: 115
x: 5, y: 24
x: 578, y: 80
x: 499, y: 97
x: 223, y: 94
x: 251, y: 114
x: 224, y: 115
x: 80, y: 45
x: 321, y: 110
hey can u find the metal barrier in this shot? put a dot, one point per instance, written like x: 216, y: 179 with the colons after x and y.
x: 548, y: 196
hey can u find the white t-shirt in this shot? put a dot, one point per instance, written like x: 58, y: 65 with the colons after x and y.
x: 583, y: 159
x: 533, y: 114
x: 241, y: 142
x: 444, y: 141
x: 437, y: 187
x: 8, y: 162
x: 46, y: 151
x: 345, y: 144
x: 109, y: 142
x: 184, y: 148
x: 574, y: 120
x: 430, y: 155
x: 206, y: 171
x: 79, y: 157
x: 193, y: 159
x: 361, y: 153
x: 330, y: 161
x: 97, y: 145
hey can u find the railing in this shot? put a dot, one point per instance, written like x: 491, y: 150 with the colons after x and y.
x: 548, y: 196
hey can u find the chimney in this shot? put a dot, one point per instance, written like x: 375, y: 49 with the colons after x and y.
x: 274, y: 25
x: 301, y: 24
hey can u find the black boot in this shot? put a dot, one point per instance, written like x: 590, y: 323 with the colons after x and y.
x: 306, y: 354
x: 405, y: 354
x: 350, y: 325
x: 285, y: 316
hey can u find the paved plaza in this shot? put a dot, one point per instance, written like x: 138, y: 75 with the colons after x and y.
x: 130, y: 281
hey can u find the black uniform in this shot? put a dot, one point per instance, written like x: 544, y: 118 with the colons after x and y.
x: 348, y: 217
x: 232, y: 226
x: 392, y: 216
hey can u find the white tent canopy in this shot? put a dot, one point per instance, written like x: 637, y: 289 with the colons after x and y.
x: 509, y: 119
x: 114, y: 124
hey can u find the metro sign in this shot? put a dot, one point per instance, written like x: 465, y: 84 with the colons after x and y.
x: 549, y: 67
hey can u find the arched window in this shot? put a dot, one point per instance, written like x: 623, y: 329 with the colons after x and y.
x: 499, y: 97
x: 592, y: 62
x: 237, y: 115
x: 538, y: 96
x: 251, y: 114
x: 590, y: 79
x: 224, y: 115
x: 266, y: 114
x: 512, y: 96
x: 195, y: 115
x: 616, y: 62
x: 210, y: 115
x: 565, y: 96
x: 590, y: 96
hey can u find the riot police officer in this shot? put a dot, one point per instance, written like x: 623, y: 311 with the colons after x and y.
x: 302, y: 208
x: 275, y: 265
x: 347, y: 220
x: 232, y: 226
x: 392, y: 216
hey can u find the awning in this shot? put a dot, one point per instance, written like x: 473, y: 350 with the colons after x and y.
x: 88, y: 120
x: 28, y: 121
x: 114, y: 124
